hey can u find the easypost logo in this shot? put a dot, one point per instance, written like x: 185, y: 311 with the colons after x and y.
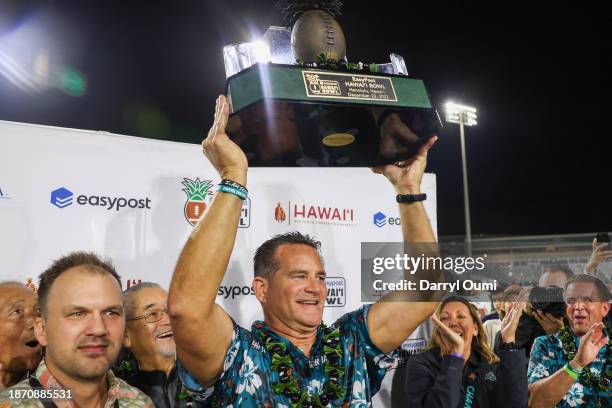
x: 3, y: 194
x: 336, y: 292
x: 62, y: 198
x: 380, y: 220
x: 232, y: 292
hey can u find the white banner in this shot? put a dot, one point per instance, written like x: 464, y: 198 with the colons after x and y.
x: 132, y: 200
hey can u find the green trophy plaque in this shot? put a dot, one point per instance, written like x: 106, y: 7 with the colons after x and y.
x: 286, y: 112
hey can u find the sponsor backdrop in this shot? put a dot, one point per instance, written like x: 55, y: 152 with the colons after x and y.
x: 136, y: 201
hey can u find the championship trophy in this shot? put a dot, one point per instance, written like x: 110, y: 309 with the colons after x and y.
x: 295, y: 100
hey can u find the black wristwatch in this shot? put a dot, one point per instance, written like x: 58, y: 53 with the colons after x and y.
x: 410, y: 198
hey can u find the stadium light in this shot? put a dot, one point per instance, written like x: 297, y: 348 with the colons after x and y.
x: 463, y: 116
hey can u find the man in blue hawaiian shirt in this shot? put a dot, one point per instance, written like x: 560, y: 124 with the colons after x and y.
x: 291, y: 359
x: 573, y: 367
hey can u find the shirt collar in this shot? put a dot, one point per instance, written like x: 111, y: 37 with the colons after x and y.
x: 48, y: 381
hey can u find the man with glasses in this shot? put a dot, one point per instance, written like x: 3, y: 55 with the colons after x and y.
x: 149, y: 339
x: 573, y: 367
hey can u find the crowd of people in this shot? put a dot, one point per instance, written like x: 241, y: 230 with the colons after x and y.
x: 82, y: 341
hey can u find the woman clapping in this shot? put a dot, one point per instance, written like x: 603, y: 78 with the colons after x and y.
x: 459, y: 369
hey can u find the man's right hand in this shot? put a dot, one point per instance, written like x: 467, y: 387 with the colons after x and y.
x: 589, y: 347
x: 202, y: 329
x: 225, y: 155
x: 549, y: 323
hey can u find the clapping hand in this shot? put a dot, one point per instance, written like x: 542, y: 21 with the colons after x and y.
x: 452, y: 341
x: 590, y: 344
x: 511, y: 320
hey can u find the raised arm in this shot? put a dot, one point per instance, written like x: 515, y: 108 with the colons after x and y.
x: 202, y: 329
x: 390, y: 322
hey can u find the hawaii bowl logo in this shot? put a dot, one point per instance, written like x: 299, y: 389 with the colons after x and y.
x: 199, y: 195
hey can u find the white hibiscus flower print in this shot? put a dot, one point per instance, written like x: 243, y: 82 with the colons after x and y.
x: 249, y: 379
x: 358, y: 398
x: 232, y: 352
x: 315, y: 387
x: 539, y: 371
x: 574, y: 396
x: 384, y: 361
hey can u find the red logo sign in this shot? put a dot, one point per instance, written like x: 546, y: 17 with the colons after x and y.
x: 279, y: 213
x: 315, y: 214
x: 132, y: 282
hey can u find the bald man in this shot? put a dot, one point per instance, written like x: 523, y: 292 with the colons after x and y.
x: 19, y: 349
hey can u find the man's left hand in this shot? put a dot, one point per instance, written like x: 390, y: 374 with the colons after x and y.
x: 406, y: 176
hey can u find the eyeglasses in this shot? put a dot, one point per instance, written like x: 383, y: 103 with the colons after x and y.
x: 152, y: 316
x: 587, y: 300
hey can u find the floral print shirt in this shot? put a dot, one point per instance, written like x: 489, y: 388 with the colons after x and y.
x: 547, y: 357
x: 120, y: 393
x: 247, y: 378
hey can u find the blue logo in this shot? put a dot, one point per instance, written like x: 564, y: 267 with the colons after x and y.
x: 380, y: 219
x: 3, y: 195
x: 62, y: 197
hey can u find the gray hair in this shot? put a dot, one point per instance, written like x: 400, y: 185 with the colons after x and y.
x: 128, y: 296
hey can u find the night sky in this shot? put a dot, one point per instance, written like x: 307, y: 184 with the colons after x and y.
x: 539, y: 75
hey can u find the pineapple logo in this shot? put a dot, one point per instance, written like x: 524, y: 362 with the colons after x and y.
x: 198, y: 194
x: 279, y: 213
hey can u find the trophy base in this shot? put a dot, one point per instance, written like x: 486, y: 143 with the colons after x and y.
x: 290, y: 116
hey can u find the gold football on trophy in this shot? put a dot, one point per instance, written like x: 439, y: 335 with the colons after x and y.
x: 317, y: 32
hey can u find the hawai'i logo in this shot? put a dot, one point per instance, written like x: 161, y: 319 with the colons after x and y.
x: 199, y: 195
x: 279, y: 213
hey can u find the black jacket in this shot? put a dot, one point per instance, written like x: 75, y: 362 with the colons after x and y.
x: 433, y: 381
x: 527, y: 331
x: 165, y: 391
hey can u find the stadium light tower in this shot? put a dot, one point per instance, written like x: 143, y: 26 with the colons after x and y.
x: 464, y: 116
